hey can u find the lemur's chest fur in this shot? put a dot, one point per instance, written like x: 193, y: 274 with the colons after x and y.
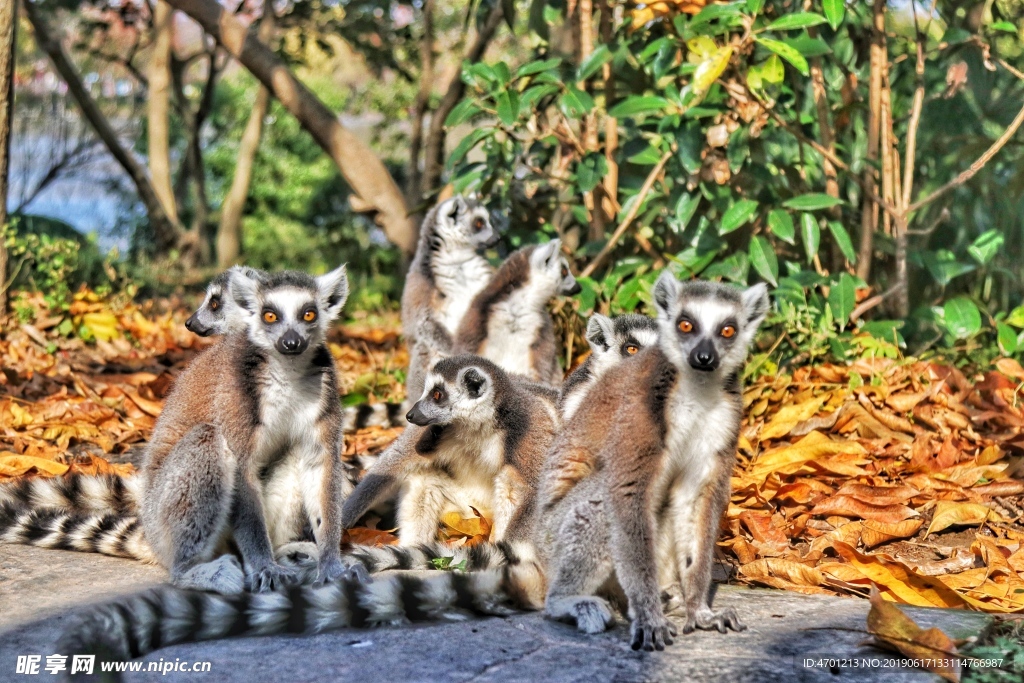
x: 458, y: 278
x: 289, y: 407
x: 701, y: 421
x: 465, y: 468
x: 511, y: 330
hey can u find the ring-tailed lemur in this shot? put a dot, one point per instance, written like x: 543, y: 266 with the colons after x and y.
x: 247, y: 448
x: 636, y: 483
x: 444, y: 276
x: 218, y: 314
x: 478, y: 441
x: 611, y: 340
x: 508, y: 321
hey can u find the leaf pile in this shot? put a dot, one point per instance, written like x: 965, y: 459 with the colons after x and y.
x: 80, y: 390
x: 898, y: 474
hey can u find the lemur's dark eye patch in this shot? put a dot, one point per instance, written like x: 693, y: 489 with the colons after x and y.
x: 479, y: 224
x: 214, y: 304
x: 565, y: 272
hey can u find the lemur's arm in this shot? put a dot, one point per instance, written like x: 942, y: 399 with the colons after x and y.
x: 628, y: 478
x: 331, y: 495
x: 250, y: 533
x: 383, y: 479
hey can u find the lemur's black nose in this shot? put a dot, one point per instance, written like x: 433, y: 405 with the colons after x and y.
x: 703, y: 357
x: 291, y: 342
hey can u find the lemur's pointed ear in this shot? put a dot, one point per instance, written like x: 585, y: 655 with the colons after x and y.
x: 242, y: 289
x: 451, y: 209
x: 666, y: 291
x: 475, y: 382
x: 600, y: 332
x: 332, y: 291
x: 756, y: 304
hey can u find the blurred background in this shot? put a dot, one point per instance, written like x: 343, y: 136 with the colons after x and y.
x: 860, y: 157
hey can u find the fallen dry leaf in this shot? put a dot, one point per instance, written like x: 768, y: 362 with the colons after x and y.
x: 896, y: 631
x: 948, y: 513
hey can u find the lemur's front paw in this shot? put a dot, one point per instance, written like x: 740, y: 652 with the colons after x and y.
x: 672, y: 599
x: 707, y: 619
x: 651, y: 632
x: 334, y: 568
x: 271, y: 577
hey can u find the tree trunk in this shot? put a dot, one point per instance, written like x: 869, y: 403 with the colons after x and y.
x: 363, y: 171
x: 229, y: 235
x: 158, y: 103
x: 414, y: 191
x: 166, y: 230
x: 434, y: 156
x: 8, y: 28
x: 869, y: 210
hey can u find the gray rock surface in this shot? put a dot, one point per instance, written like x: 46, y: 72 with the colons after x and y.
x: 40, y: 589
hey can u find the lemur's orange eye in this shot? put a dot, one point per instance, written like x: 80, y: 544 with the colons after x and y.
x: 565, y: 272
x: 309, y: 316
x: 214, y: 304
x: 728, y: 331
x: 685, y: 326
x: 631, y: 349
x: 269, y: 317
x: 436, y: 395
x: 478, y: 224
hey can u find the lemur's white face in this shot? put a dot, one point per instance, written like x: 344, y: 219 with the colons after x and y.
x: 612, y: 340
x: 291, y: 312
x: 464, y: 223
x: 549, y: 271
x: 454, y: 394
x: 218, y: 314
x: 708, y: 326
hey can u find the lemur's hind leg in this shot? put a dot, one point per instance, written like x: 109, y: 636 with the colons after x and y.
x: 192, y: 494
x: 582, y: 566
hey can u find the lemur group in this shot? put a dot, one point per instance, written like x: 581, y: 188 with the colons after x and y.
x: 605, y: 489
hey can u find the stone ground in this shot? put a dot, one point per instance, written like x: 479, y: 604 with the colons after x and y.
x: 41, y: 589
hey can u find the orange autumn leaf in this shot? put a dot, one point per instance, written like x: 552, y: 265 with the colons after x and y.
x: 896, y: 631
x: 949, y: 513
x: 876, y: 533
x: 899, y: 580
x: 848, y: 506
x: 879, y: 495
x: 476, y: 529
x: 363, y: 536
x: 13, y: 465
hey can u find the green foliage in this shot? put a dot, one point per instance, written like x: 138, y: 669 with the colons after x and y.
x: 40, y: 260
x: 717, y: 98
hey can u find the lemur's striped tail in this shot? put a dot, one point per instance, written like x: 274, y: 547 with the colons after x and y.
x: 76, y: 492
x: 372, y: 415
x: 522, y: 577
x: 109, y: 533
x: 132, y: 627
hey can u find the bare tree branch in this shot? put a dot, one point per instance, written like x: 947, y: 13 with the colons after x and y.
x: 8, y: 29
x: 363, y: 171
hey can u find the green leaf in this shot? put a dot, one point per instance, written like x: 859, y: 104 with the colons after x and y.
x: 773, y: 71
x: 531, y: 96
x: 790, y: 54
x: 944, y: 267
x: 536, y: 21
x: 463, y: 111
x: 575, y: 102
x: 842, y: 299
x: 737, y: 214
x: 780, y: 223
x: 788, y: 22
x: 632, y: 106
x: 1016, y: 318
x: 843, y: 240
x: 502, y: 72
x: 1007, y: 338
x: 1005, y: 26
x: 537, y: 67
x: 754, y: 6
x: 835, y: 10
x: 986, y: 246
x: 812, y: 202
x: 648, y: 156
x: 598, y: 58
x: 762, y: 257
x: 508, y: 106
x: 712, y: 12
x: 590, y: 170
x: 467, y: 143
x: 962, y: 317
x: 811, y: 234
x: 686, y: 207
x: 441, y: 562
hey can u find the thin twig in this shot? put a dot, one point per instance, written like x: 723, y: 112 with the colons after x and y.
x: 870, y: 303
x: 624, y: 225
x: 975, y: 167
x: 942, y: 218
x: 915, y: 114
